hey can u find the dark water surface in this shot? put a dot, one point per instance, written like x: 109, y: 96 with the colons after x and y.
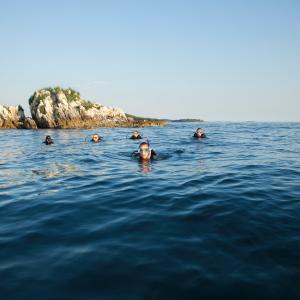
x: 212, y: 219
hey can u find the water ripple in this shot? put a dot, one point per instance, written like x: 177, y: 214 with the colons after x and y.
x: 216, y: 218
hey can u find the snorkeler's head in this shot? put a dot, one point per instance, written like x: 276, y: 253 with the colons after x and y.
x: 199, y: 132
x: 95, y: 138
x: 144, y: 150
x: 48, y: 140
x: 136, y: 135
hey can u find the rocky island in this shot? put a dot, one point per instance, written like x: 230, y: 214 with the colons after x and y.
x: 64, y: 108
x: 14, y: 117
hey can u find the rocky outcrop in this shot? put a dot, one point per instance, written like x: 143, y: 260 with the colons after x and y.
x: 14, y: 117
x: 64, y: 108
x: 29, y: 123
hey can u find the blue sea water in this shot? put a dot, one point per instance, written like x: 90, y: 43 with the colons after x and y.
x: 217, y: 218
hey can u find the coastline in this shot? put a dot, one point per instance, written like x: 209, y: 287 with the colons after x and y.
x: 59, y: 108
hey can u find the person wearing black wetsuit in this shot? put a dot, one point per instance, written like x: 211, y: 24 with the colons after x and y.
x: 199, y: 134
x: 96, y: 138
x: 135, y: 136
x: 145, y: 153
x: 48, y: 140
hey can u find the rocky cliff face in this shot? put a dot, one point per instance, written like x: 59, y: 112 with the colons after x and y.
x: 14, y: 117
x: 64, y: 108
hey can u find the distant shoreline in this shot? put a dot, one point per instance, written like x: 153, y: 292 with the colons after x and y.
x: 190, y: 120
x: 187, y: 120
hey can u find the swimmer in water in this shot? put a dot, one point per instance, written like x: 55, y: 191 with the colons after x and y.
x: 48, y: 140
x: 135, y: 136
x: 199, y: 134
x: 96, y: 138
x: 145, y: 153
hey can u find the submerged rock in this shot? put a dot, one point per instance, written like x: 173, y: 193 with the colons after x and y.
x: 64, y: 108
x: 14, y: 117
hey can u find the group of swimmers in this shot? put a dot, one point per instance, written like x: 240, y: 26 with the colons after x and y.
x: 144, y: 153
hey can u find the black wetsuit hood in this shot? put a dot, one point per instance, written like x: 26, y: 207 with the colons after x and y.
x: 199, y: 137
x: 136, y: 137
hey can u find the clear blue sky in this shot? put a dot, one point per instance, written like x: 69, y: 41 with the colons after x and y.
x: 217, y: 60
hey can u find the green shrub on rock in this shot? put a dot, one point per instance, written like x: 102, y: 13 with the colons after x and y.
x: 70, y: 94
x: 87, y: 104
x: 42, y: 109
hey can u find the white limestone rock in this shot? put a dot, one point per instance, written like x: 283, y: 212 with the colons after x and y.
x: 64, y: 108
